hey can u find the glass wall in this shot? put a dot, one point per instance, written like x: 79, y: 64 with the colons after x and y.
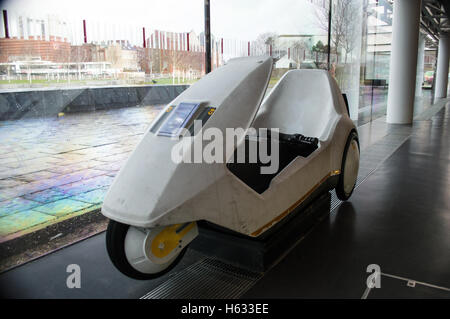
x: 346, y: 43
x: 55, y: 45
x: 81, y: 81
x: 361, y: 36
x: 375, y: 57
x: 294, y: 33
x: 361, y: 33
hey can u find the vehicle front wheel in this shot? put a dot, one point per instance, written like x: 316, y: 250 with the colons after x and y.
x: 349, y: 168
x: 147, y: 253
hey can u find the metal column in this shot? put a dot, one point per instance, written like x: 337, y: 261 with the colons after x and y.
x: 442, y: 66
x: 402, y: 74
x: 420, y: 64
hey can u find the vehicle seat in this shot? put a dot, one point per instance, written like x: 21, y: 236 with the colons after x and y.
x: 300, y: 103
x: 301, y: 107
x: 290, y: 146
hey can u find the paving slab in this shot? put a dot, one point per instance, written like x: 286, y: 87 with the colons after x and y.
x: 86, y: 185
x: 57, y: 167
x: 46, y: 196
x: 94, y: 197
x: 62, y: 207
x: 15, y: 205
x: 23, y: 220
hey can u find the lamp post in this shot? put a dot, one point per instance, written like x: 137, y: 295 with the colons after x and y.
x: 207, y: 38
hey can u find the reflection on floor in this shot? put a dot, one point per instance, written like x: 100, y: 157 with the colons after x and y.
x: 56, y: 168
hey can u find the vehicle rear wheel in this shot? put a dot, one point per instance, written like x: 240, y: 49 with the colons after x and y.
x: 131, y: 249
x: 349, y: 168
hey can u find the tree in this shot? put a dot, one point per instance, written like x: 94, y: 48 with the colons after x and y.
x: 27, y: 53
x: 349, y: 27
x: 298, y: 47
x: 264, y: 40
x: 176, y: 61
x: 113, y: 55
x: 319, y: 49
x: 343, y: 29
x: 145, y: 60
x: 79, y: 55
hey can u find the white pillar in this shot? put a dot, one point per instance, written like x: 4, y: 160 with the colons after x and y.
x: 402, y: 74
x: 420, y: 64
x: 442, y: 67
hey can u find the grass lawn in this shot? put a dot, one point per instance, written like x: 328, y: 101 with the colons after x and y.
x: 170, y: 81
x: 164, y: 81
x: 43, y: 82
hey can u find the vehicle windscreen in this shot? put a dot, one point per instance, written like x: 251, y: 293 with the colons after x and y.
x: 178, y: 119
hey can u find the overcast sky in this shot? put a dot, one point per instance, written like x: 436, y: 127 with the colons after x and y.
x: 241, y: 19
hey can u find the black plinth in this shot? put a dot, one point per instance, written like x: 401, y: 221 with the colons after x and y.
x: 259, y: 254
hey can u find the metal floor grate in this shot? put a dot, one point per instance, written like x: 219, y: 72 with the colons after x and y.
x: 208, y: 278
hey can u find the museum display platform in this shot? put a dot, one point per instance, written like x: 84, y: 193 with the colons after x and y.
x: 260, y: 254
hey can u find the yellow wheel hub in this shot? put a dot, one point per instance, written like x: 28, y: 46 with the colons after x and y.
x: 169, y: 238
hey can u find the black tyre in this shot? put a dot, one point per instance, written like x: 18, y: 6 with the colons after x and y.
x: 349, y: 168
x: 115, y: 245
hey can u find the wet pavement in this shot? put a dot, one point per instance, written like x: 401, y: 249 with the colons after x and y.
x: 55, y: 168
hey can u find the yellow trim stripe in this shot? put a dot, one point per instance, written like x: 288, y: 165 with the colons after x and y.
x: 295, y: 205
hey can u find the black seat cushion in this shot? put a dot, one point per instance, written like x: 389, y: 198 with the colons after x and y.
x: 290, y: 146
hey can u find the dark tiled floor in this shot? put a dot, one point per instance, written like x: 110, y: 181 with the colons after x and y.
x: 399, y: 288
x: 46, y: 277
x: 398, y: 218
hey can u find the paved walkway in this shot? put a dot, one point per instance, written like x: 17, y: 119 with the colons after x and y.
x: 56, y: 168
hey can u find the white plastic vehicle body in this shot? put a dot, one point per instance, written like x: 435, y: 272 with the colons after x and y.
x: 153, y: 191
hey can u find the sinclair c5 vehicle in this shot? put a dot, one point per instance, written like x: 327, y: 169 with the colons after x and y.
x: 155, y: 204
